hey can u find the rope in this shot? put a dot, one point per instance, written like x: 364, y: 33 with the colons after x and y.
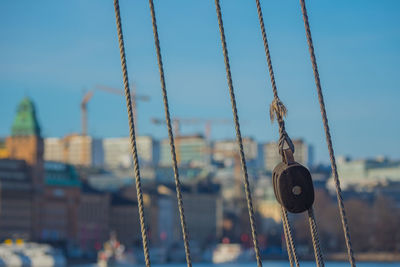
x: 277, y: 108
x: 238, y: 135
x: 328, y: 137
x: 278, y: 111
x: 289, y: 236
x: 268, y: 55
x: 315, y: 238
x: 132, y: 134
x: 288, y: 247
x: 171, y: 137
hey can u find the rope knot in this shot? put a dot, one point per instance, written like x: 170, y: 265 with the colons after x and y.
x: 277, y: 110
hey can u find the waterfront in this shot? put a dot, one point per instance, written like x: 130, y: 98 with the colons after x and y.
x: 269, y: 264
x: 82, y: 180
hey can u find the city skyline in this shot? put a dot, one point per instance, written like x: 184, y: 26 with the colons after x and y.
x: 65, y: 56
x: 66, y: 198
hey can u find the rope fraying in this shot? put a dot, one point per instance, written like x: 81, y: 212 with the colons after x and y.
x: 277, y: 110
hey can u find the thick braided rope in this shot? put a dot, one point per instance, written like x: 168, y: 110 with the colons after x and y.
x: 328, y: 136
x: 268, y: 55
x: 238, y: 136
x: 290, y: 235
x: 171, y: 137
x: 315, y: 238
x: 132, y: 134
x: 288, y: 247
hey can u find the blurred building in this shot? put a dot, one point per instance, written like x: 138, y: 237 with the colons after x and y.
x: 190, y: 150
x: 26, y: 143
x: 203, y: 213
x: 75, y: 149
x: 16, y: 199
x: 124, y: 221
x: 266, y: 204
x: 93, y: 218
x: 102, y: 213
x: 225, y: 150
x: 59, y: 210
x: 303, y: 154
x: 84, y: 151
x: 54, y: 149
x: 118, y: 153
x: 366, y: 174
x: 3, y: 149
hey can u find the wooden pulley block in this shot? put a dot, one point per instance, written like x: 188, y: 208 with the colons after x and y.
x: 293, y: 185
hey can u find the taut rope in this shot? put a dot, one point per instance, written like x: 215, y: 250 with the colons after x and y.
x: 171, y: 137
x: 278, y: 110
x: 238, y: 135
x: 132, y: 134
x: 328, y: 136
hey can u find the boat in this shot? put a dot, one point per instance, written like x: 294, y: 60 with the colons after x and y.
x: 21, y: 254
x: 230, y: 253
x: 114, y: 254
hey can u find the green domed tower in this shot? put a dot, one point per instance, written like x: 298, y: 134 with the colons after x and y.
x: 25, y: 141
x: 25, y: 122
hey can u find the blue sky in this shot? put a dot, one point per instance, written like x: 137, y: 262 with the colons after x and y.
x: 52, y: 50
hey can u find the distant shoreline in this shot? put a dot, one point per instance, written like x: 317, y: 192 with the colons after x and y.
x: 366, y: 257
x: 342, y: 257
x: 378, y: 257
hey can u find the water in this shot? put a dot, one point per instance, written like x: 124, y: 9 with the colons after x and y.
x: 269, y: 264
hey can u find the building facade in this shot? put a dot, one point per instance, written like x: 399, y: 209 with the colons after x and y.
x: 93, y: 219
x: 26, y: 143
x: 266, y: 204
x: 366, y: 173
x: 16, y: 199
x: 190, y: 150
x: 75, y: 149
x: 203, y: 213
x: 303, y: 154
x: 3, y: 149
x: 118, y: 152
x: 225, y: 150
x: 124, y: 221
x: 54, y: 149
x: 59, y: 210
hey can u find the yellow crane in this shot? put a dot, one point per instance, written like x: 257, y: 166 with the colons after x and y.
x: 88, y: 96
x: 134, y: 97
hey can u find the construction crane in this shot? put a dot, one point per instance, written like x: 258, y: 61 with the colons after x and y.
x: 176, y: 123
x: 88, y: 95
x: 134, y: 96
x: 84, y: 103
